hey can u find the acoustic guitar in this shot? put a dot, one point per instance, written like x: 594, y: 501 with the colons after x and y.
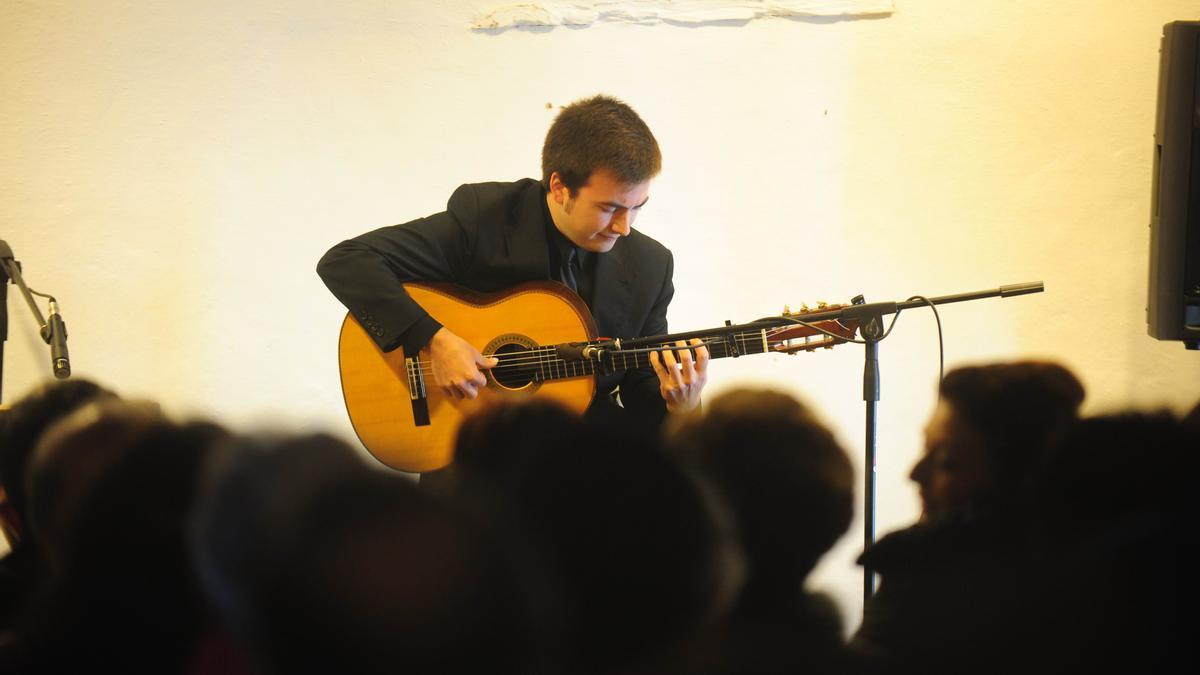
x: 544, y: 338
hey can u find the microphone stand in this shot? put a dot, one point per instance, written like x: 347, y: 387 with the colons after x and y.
x: 870, y: 322
x: 870, y: 317
x: 11, y: 269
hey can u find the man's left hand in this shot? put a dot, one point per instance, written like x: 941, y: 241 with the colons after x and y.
x: 681, y: 378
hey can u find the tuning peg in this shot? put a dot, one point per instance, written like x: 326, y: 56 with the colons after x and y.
x: 787, y: 310
x: 821, y: 304
x: 803, y: 307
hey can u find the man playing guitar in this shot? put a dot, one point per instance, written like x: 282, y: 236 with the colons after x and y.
x: 574, y: 226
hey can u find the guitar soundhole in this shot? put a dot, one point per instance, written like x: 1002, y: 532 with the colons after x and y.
x: 518, y: 367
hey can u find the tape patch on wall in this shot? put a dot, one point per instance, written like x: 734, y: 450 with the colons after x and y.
x: 682, y: 12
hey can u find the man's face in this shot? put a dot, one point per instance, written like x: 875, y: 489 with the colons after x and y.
x: 954, y: 470
x: 602, y: 211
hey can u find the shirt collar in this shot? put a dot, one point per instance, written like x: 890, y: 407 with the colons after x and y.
x: 560, y: 246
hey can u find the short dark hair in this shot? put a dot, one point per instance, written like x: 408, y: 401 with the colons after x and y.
x: 1017, y: 408
x: 600, y: 132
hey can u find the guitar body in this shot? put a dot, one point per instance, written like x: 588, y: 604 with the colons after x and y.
x: 379, y: 388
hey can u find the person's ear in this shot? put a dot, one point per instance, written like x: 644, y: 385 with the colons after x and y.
x: 558, y: 190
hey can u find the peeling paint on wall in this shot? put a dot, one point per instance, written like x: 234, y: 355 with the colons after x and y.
x: 682, y: 12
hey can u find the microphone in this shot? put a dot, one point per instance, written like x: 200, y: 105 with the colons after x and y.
x: 576, y: 351
x: 58, y: 343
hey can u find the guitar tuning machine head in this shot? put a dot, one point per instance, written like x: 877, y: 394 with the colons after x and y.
x: 821, y: 304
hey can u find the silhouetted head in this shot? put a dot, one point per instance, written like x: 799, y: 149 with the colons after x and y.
x: 495, y: 443
x: 788, y: 482
x: 1110, y: 467
x: 73, y: 455
x: 112, y: 489
x: 250, y: 492
x: 991, y: 427
x: 23, y: 425
x: 323, y: 564
x: 1191, y: 421
x: 628, y: 537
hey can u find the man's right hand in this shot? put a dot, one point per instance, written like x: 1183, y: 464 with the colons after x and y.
x: 456, y: 365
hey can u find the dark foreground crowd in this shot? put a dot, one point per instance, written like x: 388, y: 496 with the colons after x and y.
x: 1048, y: 543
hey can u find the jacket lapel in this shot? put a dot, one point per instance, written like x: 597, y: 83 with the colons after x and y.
x: 525, y: 246
x: 613, y: 289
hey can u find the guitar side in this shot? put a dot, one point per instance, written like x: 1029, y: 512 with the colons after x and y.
x: 376, y: 384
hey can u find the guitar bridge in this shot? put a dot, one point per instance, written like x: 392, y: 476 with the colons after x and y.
x: 416, y: 391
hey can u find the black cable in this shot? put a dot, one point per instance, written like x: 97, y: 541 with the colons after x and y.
x: 941, y: 346
x: 895, y: 317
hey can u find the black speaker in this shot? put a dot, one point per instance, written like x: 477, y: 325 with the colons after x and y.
x: 1174, y: 308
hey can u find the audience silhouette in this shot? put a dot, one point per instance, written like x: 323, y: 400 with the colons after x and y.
x: 953, y: 589
x: 111, y: 487
x: 20, y: 428
x: 628, y: 541
x: 323, y: 564
x: 559, y: 544
x: 1115, y: 506
x: 790, y: 489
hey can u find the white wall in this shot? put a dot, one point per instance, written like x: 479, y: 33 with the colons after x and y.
x: 172, y: 172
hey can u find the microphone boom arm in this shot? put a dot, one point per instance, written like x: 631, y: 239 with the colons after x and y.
x: 13, y: 269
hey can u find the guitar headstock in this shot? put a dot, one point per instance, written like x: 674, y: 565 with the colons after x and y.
x: 798, y: 338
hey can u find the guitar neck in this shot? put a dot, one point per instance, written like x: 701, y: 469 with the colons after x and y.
x: 569, y: 360
x: 719, y: 346
x: 552, y: 364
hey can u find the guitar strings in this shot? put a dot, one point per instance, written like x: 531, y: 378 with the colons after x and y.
x: 547, y: 355
x: 540, y: 358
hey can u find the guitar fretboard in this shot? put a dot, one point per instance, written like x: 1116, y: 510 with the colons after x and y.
x: 545, y: 363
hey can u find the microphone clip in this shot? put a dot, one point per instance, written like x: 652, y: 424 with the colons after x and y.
x: 590, y: 352
x: 55, y: 335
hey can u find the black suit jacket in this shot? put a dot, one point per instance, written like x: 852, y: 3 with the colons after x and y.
x: 490, y: 237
